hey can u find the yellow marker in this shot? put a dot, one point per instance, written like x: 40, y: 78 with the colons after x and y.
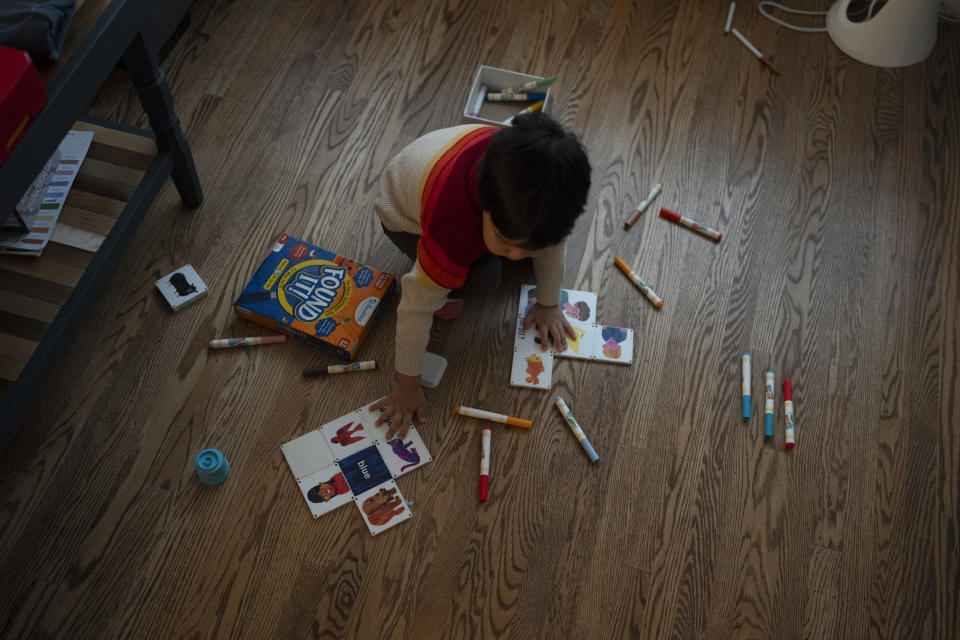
x: 494, y: 417
x: 536, y: 106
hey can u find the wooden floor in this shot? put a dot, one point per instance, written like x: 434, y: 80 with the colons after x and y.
x: 837, y: 187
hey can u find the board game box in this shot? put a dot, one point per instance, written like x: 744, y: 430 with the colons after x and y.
x: 315, y: 295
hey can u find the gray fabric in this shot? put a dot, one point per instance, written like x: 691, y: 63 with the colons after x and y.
x: 38, y: 27
x: 482, y: 278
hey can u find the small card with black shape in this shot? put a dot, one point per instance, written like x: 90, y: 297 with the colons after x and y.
x: 181, y: 287
x: 325, y: 490
x: 383, y: 507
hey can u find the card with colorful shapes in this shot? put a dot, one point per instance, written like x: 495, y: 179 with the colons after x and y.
x: 580, y: 347
x: 348, y: 434
x: 579, y: 308
x: 325, y: 490
x: 532, y: 366
x: 307, y: 454
x: 383, y: 507
x: 614, y: 344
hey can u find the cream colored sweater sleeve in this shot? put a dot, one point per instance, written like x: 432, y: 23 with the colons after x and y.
x: 419, y: 298
x: 549, y: 268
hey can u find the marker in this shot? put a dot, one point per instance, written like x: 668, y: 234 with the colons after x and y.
x: 536, y: 106
x: 642, y: 206
x: 505, y: 96
x: 478, y: 103
x: 713, y: 234
x: 494, y: 417
x: 788, y: 411
x: 577, y: 431
x: 225, y: 343
x: 768, y: 406
x: 726, y: 29
x: 754, y: 51
x: 484, y: 463
x: 533, y: 84
x: 745, y: 362
x: 367, y: 365
x: 647, y: 291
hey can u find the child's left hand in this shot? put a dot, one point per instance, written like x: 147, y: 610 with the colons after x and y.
x: 551, y: 325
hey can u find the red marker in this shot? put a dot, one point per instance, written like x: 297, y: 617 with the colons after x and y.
x: 788, y: 410
x: 713, y: 234
x: 484, y: 464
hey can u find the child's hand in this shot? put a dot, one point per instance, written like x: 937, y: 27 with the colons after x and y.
x: 403, y: 405
x: 551, y: 324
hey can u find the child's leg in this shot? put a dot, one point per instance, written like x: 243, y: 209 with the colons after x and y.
x: 406, y: 242
x: 482, y: 278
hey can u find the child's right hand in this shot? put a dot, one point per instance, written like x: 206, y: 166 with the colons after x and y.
x: 404, y: 405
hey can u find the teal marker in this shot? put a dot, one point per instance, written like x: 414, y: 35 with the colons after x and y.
x: 577, y: 431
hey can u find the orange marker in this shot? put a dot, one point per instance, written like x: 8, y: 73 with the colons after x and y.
x: 647, y: 291
x: 494, y: 417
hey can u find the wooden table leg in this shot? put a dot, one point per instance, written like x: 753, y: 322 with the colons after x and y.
x: 157, y: 102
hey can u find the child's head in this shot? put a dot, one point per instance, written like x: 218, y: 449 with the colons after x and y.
x: 533, y: 184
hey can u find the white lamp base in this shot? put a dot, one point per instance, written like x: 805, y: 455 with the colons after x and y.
x: 901, y: 33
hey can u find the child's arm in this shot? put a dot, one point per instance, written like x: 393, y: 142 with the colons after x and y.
x: 420, y: 297
x: 547, y: 314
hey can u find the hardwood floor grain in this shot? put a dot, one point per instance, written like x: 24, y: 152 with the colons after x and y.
x: 836, y: 188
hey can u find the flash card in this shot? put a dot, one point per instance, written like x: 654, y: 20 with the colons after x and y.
x: 325, y: 490
x: 383, y: 507
x: 307, y: 454
x: 613, y: 344
x: 579, y: 308
x: 532, y: 366
x: 348, y: 434
x: 181, y: 287
x: 365, y: 469
x: 403, y: 455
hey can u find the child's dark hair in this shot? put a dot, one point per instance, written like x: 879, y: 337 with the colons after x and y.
x: 534, y: 181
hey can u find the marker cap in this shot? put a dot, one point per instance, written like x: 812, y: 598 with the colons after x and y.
x: 669, y: 215
x: 768, y: 425
x: 484, y: 484
x: 787, y: 390
x: 746, y: 407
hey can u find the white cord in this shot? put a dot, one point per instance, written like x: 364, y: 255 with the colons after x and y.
x: 765, y: 3
x: 792, y: 27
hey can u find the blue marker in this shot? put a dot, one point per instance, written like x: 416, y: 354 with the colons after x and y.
x: 768, y: 406
x: 577, y: 431
x: 745, y: 360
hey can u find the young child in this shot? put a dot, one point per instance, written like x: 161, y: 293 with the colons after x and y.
x: 458, y: 200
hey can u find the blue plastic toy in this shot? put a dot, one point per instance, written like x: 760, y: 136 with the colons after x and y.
x: 212, y: 468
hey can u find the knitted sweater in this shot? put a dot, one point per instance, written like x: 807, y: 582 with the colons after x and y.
x: 430, y: 190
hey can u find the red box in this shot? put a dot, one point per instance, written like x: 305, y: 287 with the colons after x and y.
x: 22, y: 94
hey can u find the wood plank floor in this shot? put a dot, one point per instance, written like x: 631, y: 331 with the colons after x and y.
x: 837, y: 187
